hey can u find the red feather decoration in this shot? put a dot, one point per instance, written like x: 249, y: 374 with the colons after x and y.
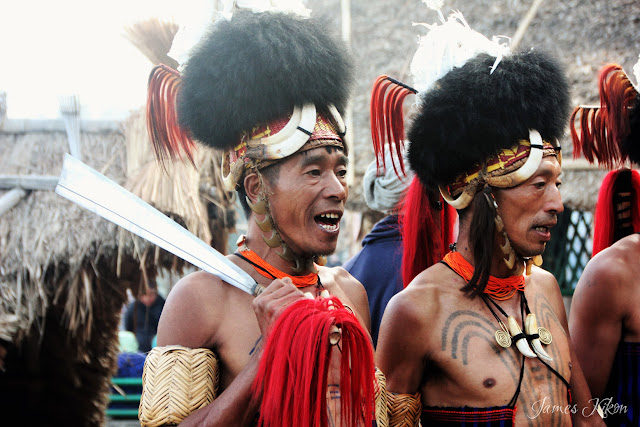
x: 169, y: 139
x: 426, y: 231
x: 604, y: 226
x: 602, y: 129
x: 387, y: 120
x: 293, y: 373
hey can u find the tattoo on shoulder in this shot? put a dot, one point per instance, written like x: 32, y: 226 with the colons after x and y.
x: 543, y: 310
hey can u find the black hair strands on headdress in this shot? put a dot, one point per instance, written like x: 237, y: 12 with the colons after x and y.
x: 256, y: 68
x: 471, y: 114
x: 631, y: 143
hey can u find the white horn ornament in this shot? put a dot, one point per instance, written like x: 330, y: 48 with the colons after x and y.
x: 291, y: 137
x: 525, y: 172
x: 337, y: 119
x: 521, y: 343
x: 531, y: 327
x: 461, y: 202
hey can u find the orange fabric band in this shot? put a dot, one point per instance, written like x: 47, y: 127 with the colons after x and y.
x: 497, y: 288
x: 266, y: 269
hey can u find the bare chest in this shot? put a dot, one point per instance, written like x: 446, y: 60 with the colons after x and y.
x: 467, y: 367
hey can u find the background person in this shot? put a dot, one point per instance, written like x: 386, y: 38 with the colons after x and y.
x: 605, y: 315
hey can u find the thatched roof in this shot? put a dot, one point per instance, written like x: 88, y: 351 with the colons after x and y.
x: 44, y: 229
x: 64, y: 271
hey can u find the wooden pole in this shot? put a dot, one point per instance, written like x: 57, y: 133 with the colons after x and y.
x: 345, y: 7
x: 524, y: 24
x: 10, y: 199
x: 29, y: 182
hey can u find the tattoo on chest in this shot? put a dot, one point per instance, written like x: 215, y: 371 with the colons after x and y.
x: 465, y: 329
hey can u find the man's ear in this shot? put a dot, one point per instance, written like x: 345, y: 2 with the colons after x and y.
x: 252, y: 183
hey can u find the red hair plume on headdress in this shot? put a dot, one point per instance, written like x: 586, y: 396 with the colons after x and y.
x: 292, y: 375
x: 426, y: 230
x: 387, y: 120
x: 169, y: 139
x: 603, y: 129
x: 605, y: 215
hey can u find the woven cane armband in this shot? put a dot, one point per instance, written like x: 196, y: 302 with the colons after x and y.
x: 404, y: 409
x: 176, y: 381
x: 380, y: 387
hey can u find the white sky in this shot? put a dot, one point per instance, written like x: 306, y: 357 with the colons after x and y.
x: 52, y: 48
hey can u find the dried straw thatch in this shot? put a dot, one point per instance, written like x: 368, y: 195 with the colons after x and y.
x: 64, y: 271
x: 153, y: 37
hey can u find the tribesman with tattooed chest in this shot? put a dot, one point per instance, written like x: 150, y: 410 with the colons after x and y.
x: 267, y: 90
x: 480, y: 338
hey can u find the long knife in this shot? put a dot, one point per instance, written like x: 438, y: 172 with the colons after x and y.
x: 97, y: 193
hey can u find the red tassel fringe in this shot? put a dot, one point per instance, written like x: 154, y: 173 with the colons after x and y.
x: 387, y: 120
x: 426, y: 232
x: 604, y: 221
x: 168, y: 138
x: 601, y: 130
x: 293, y: 371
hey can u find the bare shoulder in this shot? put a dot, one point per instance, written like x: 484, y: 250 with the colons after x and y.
x: 196, y: 289
x: 349, y: 284
x: 615, y: 266
x: 542, y: 288
x: 412, y: 312
x: 350, y: 287
x: 542, y: 281
x: 611, y: 277
x: 190, y: 303
x: 420, y: 302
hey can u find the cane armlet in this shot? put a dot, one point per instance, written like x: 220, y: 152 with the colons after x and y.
x: 404, y: 409
x: 380, y: 388
x: 176, y: 381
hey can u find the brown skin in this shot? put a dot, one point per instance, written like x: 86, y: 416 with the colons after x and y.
x: 439, y: 342
x: 204, y: 312
x: 605, y: 311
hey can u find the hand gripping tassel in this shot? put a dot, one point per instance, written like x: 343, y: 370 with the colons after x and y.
x: 293, y: 374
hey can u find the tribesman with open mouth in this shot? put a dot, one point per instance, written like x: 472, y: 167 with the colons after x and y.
x: 267, y: 89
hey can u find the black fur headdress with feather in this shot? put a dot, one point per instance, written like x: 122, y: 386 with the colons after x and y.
x: 471, y: 114
x: 256, y: 68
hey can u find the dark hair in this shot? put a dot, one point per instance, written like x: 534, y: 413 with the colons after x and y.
x: 481, y: 240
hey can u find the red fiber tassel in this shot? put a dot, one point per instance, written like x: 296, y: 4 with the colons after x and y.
x: 167, y: 137
x: 604, y: 221
x: 387, y: 120
x: 602, y: 129
x: 293, y: 373
x: 426, y: 231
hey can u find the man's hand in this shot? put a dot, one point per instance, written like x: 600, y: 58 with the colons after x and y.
x: 273, y: 300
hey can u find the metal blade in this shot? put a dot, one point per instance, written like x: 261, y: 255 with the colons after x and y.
x: 97, y: 193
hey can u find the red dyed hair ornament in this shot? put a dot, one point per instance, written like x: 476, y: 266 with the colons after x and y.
x: 292, y: 378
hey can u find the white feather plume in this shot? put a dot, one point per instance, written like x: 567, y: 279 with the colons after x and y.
x: 450, y: 45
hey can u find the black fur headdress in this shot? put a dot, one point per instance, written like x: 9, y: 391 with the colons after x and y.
x: 256, y: 68
x: 471, y: 114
